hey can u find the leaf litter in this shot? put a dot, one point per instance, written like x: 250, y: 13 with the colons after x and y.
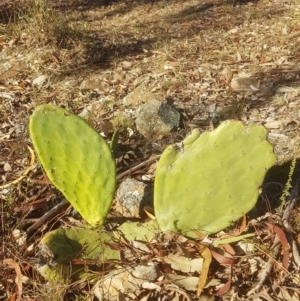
x: 212, y: 61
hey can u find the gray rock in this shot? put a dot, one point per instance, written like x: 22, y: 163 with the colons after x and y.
x: 155, y: 119
x: 146, y: 272
x: 131, y: 197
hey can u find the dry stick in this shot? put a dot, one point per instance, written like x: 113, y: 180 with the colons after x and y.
x: 291, y: 203
x: 278, y: 71
x: 130, y: 170
x: 263, y: 294
x: 267, y: 270
x: 276, y: 244
x: 25, y: 173
x: 295, y: 251
x: 48, y: 215
x: 287, y: 225
x: 64, y: 202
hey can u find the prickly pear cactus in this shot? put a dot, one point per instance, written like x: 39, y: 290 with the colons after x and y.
x: 211, y: 180
x: 76, y: 159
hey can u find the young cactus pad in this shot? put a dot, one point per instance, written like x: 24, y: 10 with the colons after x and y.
x: 211, y: 180
x: 62, y: 246
x: 76, y: 159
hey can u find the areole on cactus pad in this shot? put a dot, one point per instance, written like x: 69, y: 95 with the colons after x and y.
x: 76, y: 159
x: 211, y: 180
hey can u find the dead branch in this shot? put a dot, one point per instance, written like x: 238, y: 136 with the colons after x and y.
x: 132, y: 169
x: 48, y: 215
x: 291, y: 202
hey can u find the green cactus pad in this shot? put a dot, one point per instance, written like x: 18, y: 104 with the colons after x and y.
x: 76, y: 243
x: 211, y: 180
x: 68, y: 252
x: 76, y: 159
x: 136, y: 231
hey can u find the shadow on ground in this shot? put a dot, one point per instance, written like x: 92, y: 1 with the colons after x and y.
x: 273, y: 187
x: 101, y: 47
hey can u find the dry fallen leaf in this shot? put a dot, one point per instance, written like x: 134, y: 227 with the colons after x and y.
x: 188, y: 282
x: 14, y: 264
x: 124, y: 280
x: 6, y: 167
x: 141, y: 246
x: 6, y: 95
x: 284, y: 243
x: 39, y: 80
x: 184, y: 264
x: 206, y: 254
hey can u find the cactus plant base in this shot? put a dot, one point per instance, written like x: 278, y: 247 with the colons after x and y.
x: 211, y: 180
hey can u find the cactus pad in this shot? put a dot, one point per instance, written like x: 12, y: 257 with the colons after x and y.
x: 211, y: 180
x: 66, y: 253
x: 76, y: 159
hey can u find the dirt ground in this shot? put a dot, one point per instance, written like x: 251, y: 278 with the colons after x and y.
x: 210, y: 60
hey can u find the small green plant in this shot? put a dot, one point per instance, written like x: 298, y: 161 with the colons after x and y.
x: 121, y: 122
x: 288, y: 184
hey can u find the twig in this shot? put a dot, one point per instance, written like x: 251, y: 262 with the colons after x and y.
x: 295, y: 251
x: 24, y: 173
x: 130, y: 170
x: 291, y: 203
x: 264, y: 294
x: 267, y: 270
x: 64, y: 202
x: 48, y: 215
x: 277, y: 71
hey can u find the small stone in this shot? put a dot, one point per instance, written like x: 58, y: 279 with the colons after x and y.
x: 131, y: 197
x: 146, y: 272
x: 155, y: 119
x: 139, y: 96
x: 244, y: 83
x: 94, y: 82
